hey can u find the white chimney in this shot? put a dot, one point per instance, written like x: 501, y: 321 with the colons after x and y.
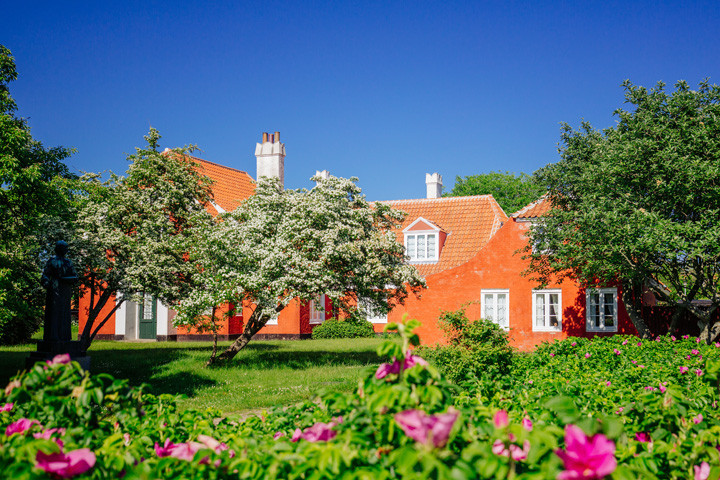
x: 434, y: 185
x: 271, y: 157
x: 324, y: 174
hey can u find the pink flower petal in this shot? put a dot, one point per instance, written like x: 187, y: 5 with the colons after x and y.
x: 66, y: 465
x: 501, y: 419
x: 432, y: 430
x: 702, y: 471
x: 20, y: 426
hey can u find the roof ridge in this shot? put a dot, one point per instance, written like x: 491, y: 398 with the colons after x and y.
x: 529, y: 206
x: 448, y: 199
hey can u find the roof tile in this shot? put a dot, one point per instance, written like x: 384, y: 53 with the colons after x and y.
x: 470, y: 222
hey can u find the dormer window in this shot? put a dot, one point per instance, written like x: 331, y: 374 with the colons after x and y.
x: 423, y: 241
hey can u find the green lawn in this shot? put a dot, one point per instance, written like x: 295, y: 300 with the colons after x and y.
x: 266, y: 373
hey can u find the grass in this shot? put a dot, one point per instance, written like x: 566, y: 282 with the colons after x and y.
x: 264, y: 374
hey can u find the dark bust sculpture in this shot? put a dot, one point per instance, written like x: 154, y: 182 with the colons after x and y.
x: 58, y: 278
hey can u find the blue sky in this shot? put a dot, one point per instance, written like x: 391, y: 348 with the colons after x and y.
x: 384, y: 91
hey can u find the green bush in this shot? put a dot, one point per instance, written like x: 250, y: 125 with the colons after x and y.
x: 350, y: 328
x: 635, y: 409
x: 477, y: 349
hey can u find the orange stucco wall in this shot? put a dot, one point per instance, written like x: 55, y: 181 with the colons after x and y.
x: 498, y: 266
x: 84, y: 312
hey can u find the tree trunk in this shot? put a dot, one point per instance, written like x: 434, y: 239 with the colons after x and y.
x: 253, y: 326
x: 634, y: 312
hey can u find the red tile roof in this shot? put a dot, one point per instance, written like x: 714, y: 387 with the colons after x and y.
x: 536, y: 209
x: 469, y: 222
x: 230, y: 186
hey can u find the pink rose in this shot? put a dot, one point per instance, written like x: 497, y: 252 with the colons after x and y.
x: 527, y: 424
x: 586, y: 457
x: 66, y: 465
x: 20, y: 426
x: 7, y: 407
x: 430, y: 430
x: 320, y: 432
x: 62, y: 359
x: 501, y: 419
x: 587, y: 355
x: 702, y: 471
x: 514, y: 451
x: 697, y: 419
x: 643, y: 437
x: 683, y: 369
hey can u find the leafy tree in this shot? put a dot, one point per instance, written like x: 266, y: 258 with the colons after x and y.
x: 130, y: 235
x: 511, y: 191
x: 639, y: 203
x: 285, y: 244
x: 33, y: 192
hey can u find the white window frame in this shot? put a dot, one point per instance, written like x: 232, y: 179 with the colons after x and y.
x: 431, y: 256
x: 495, y: 292
x: 589, y: 323
x: 317, y: 316
x: 274, y: 319
x: 371, y: 316
x: 546, y: 310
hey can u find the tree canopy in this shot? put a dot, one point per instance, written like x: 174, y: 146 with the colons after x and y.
x: 285, y: 244
x: 639, y: 203
x: 511, y: 191
x: 130, y: 235
x: 33, y: 192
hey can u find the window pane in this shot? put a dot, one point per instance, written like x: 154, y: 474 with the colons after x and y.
x: 540, y: 309
x: 489, y: 306
x: 609, y: 310
x: 554, y: 308
x: 411, y: 246
x: 431, y: 246
x: 421, y: 246
x: 502, y: 309
x: 148, y: 307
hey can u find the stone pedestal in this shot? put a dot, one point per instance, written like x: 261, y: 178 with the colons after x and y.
x: 47, y: 350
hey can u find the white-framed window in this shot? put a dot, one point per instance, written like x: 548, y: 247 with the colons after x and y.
x: 547, y: 310
x: 601, y: 309
x: 371, y: 314
x: 317, y: 309
x: 495, y: 306
x: 421, y: 247
x: 273, y: 319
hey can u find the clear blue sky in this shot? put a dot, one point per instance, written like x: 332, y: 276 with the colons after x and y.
x: 385, y: 91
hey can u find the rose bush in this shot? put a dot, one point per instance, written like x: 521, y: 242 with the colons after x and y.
x: 560, y: 414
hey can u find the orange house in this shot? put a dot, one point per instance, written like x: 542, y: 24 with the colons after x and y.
x: 491, y: 285
x: 464, y: 247
x: 151, y: 319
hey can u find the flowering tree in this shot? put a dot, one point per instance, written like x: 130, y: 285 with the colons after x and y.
x: 638, y: 203
x: 285, y: 244
x: 129, y: 236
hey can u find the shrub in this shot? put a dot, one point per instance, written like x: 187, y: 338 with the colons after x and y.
x: 477, y: 349
x: 350, y: 328
x: 404, y: 422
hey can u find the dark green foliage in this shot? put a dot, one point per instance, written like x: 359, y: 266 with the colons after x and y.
x: 349, y: 328
x: 639, y: 202
x: 511, y: 191
x: 617, y: 387
x: 477, y: 349
x: 33, y: 195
